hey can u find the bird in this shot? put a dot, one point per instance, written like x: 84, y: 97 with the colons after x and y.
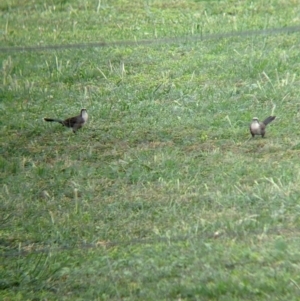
x: 75, y: 122
x: 259, y: 128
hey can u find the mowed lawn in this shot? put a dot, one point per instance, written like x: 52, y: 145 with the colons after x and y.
x: 163, y: 194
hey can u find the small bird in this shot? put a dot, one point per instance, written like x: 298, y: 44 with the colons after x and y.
x: 75, y: 122
x: 259, y: 128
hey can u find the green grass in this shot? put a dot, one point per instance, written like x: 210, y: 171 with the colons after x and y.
x: 162, y: 195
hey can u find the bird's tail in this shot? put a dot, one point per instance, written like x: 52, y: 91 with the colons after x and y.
x: 53, y: 120
x: 269, y: 119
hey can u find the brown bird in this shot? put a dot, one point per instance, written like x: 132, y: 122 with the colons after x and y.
x: 259, y: 128
x: 75, y: 122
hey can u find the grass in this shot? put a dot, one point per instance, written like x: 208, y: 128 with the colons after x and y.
x: 162, y: 195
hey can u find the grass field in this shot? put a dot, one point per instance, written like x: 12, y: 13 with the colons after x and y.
x: 163, y: 195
